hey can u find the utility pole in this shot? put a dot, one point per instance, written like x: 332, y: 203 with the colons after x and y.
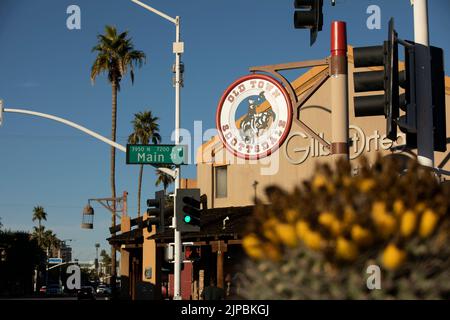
x: 425, y: 139
x: 178, y: 49
x: 339, y: 91
x: 97, y: 246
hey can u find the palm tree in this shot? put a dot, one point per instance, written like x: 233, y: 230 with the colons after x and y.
x: 39, y: 214
x: 163, y: 178
x: 115, y: 56
x: 51, y: 241
x: 38, y: 234
x: 145, y: 129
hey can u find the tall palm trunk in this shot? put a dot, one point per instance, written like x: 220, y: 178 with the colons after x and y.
x: 113, y: 177
x: 39, y: 232
x: 141, y: 170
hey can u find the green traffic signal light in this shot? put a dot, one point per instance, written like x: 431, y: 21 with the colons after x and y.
x: 187, y: 219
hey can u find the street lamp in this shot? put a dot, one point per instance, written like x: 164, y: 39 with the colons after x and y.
x: 113, y: 205
x: 87, y: 221
x: 178, y: 49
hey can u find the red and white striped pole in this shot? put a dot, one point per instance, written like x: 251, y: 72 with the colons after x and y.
x: 339, y: 91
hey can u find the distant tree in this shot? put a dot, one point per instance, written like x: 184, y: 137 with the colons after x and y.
x: 21, y: 258
x: 163, y: 178
x: 115, y: 57
x: 38, y: 235
x: 145, y: 129
x: 39, y: 214
x: 51, y: 241
x: 106, y: 259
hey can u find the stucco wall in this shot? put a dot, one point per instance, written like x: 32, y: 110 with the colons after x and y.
x: 296, y: 158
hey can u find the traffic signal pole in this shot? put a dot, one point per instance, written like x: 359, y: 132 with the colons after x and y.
x: 425, y: 142
x: 177, y: 233
x: 339, y: 91
x: 178, y: 49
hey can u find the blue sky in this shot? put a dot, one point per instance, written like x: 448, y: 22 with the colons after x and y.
x: 45, y: 67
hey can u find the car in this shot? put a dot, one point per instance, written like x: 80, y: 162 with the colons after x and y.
x: 86, y: 293
x: 103, y: 289
x: 43, y: 290
x: 54, y: 290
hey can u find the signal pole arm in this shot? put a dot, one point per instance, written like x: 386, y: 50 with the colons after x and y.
x: 116, y: 145
x: 71, y: 124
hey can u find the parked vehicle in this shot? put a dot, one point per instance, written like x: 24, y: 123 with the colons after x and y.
x: 54, y: 290
x: 103, y: 289
x: 43, y: 290
x: 86, y: 293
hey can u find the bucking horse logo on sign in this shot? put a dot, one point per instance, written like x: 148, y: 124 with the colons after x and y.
x: 254, y: 123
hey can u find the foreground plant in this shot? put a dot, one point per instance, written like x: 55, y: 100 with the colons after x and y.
x: 318, y: 241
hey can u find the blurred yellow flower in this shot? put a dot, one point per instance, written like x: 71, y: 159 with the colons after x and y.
x: 271, y: 235
x: 336, y: 228
x: 378, y: 209
x: 313, y: 240
x: 408, y: 223
x: 349, y: 215
x: 326, y: 219
x: 385, y: 223
x: 366, y: 185
x: 252, y: 246
x: 346, y: 181
x: 361, y: 236
x: 420, y: 207
x: 272, y: 252
x: 291, y: 215
x: 301, y: 227
x: 286, y: 233
x: 399, y: 207
x: 393, y: 257
x: 269, y: 230
x: 428, y: 223
x: 346, y: 249
x: 318, y: 182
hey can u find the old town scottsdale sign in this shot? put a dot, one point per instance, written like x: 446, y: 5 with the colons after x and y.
x: 254, y: 116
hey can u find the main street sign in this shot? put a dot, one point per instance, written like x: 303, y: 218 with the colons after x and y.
x: 55, y: 260
x: 156, y: 154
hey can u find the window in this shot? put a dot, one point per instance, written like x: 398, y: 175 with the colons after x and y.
x: 221, y: 182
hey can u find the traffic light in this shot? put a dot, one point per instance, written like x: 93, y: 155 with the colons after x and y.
x: 188, y: 210
x: 389, y: 79
x: 155, y: 211
x: 408, y: 122
x: 387, y: 104
x: 438, y: 92
x: 309, y: 16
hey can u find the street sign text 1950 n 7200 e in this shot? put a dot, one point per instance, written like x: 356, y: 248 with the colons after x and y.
x: 156, y: 154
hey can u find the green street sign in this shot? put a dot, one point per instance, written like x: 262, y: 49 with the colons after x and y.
x: 156, y: 154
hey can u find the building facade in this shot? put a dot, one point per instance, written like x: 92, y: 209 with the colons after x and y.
x: 229, y: 183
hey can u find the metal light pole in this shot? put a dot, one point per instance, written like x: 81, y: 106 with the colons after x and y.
x: 425, y: 141
x: 113, y: 206
x: 97, y: 246
x: 178, y: 49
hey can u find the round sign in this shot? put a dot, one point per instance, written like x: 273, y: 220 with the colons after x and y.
x: 254, y: 116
